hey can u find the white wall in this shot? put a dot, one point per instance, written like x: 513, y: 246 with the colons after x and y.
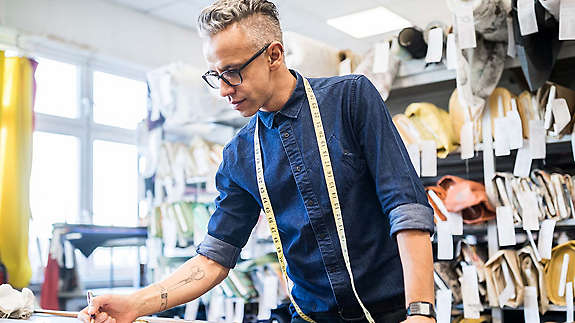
x: 104, y: 29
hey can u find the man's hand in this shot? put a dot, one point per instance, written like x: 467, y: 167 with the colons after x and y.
x: 110, y: 309
x: 419, y: 319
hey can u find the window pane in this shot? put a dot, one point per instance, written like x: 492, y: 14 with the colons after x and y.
x: 57, y: 88
x: 54, y: 185
x: 119, y: 101
x: 115, y: 184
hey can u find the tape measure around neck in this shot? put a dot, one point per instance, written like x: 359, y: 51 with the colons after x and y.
x: 332, y: 192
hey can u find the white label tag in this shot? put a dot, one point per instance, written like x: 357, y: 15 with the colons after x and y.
x: 381, y: 57
x: 522, y: 162
x: 345, y: 67
x: 454, y: 219
x: 537, y: 145
x: 501, y: 139
x: 465, y: 27
x: 514, y: 130
x: 511, y: 50
x: 443, y: 305
x: 563, y: 277
x: 413, y: 151
x: 239, y: 311
x: 569, y: 301
x: 573, y: 142
x: 526, y: 16
x: 466, y: 140
x: 505, y: 227
x: 434, y: 46
x: 428, y: 158
x: 451, y: 52
x: 567, y: 20
x: 530, y: 305
x: 529, y: 210
x: 545, y: 240
x: 470, y: 293
x: 444, y: 241
x: 229, y: 310
x: 549, y: 108
x: 561, y: 115
x: 509, y: 290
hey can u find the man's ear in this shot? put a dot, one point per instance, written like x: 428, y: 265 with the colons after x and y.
x: 275, y: 55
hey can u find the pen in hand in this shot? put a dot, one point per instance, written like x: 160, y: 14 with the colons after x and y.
x: 90, y: 296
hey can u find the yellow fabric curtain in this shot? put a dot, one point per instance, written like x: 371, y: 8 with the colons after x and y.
x: 16, y: 126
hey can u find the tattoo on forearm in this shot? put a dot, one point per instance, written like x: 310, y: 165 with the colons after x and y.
x: 196, y: 273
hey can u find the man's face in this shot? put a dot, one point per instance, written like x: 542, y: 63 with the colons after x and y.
x: 230, y: 49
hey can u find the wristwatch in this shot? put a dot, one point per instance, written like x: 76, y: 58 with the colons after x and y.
x: 421, y: 308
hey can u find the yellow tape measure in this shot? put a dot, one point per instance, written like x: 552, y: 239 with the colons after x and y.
x: 332, y: 191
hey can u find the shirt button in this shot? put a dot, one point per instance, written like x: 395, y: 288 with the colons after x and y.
x: 309, y: 202
x: 298, y: 168
x: 286, y: 134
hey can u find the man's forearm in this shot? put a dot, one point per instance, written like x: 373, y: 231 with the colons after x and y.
x: 417, y: 261
x: 190, y: 281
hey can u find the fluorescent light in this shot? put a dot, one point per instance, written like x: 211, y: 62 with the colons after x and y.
x: 370, y: 22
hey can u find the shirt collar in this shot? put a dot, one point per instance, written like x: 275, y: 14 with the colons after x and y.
x: 291, y: 108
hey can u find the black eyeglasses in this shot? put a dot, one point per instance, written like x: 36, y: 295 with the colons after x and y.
x: 232, y: 77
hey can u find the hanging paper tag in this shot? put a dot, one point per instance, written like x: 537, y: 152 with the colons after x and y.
x: 434, y: 45
x: 381, y: 57
x: 533, y: 246
x: 529, y: 210
x: 526, y: 16
x: 239, y: 311
x: 573, y: 142
x: 466, y: 140
x: 545, y: 240
x: 537, y: 144
x: 511, y: 50
x: 567, y: 20
x: 428, y: 158
x: 569, y: 301
x: 549, y: 108
x: 465, y: 26
x: 522, y: 162
x: 505, y: 226
x: 501, y: 138
x: 443, y: 305
x: 514, y: 130
x: 345, y: 67
x: 454, y: 219
x: 561, y: 114
x: 563, y: 277
x: 470, y: 293
x: 451, y: 52
x: 509, y: 290
x: 413, y: 151
x: 530, y: 305
x: 444, y: 241
x: 229, y: 310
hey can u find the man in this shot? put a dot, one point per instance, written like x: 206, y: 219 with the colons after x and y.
x: 377, y: 194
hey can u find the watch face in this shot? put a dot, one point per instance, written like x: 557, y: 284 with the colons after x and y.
x: 420, y: 308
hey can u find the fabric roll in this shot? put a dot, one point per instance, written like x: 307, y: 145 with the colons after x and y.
x: 553, y: 269
x: 457, y: 114
x: 467, y: 197
x: 497, y: 283
x: 381, y: 81
x: 434, y: 124
x: 310, y: 57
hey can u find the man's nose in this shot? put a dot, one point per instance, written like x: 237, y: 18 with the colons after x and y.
x: 225, y: 89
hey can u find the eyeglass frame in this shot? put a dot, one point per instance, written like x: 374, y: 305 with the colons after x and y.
x: 238, y: 70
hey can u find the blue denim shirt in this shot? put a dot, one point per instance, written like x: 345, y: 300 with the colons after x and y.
x: 379, y: 192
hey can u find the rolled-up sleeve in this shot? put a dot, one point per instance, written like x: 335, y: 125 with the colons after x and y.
x: 399, y: 189
x: 232, y: 222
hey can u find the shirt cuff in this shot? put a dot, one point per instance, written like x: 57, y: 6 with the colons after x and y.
x: 219, y: 251
x: 412, y: 216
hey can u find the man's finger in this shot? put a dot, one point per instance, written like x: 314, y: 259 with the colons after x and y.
x: 101, y: 317
x: 82, y: 316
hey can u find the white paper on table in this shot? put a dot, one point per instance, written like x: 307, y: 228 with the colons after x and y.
x: 526, y: 16
x: 523, y: 161
x: 444, y: 241
x: 569, y: 301
x: 545, y: 239
x: 500, y: 132
x: 466, y: 141
x: 563, y: 277
x: 567, y: 20
x: 443, y: 305
x: 465, y: 26
x: 381, y: 57
x: 529, y: 210
x: 413, y: 151
x: 451, y: 52
x: 537, y: 144
x: 470, y: 293
x: 514, y: 128
x: 511, y: 50
x: 530, y: 305
x: 505, y: 226
x: 434, y: 45
x: 428, y: 158
x: 561, y: 114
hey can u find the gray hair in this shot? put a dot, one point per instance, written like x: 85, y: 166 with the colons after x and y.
x: 261, y: 17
